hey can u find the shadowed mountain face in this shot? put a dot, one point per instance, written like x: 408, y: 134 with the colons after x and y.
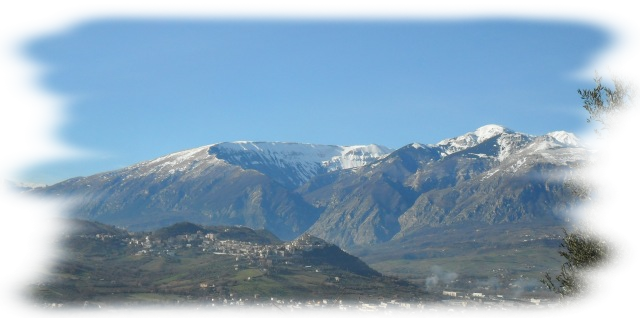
x: 243, y: 183
x: 350, y: 196
x: 207, y: 191
x: 507, y: 177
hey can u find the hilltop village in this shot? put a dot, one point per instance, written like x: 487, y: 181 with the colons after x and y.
x: 209, y: 243
x: 253, y: 254
x: 247, y: 260
x: 264, y: 256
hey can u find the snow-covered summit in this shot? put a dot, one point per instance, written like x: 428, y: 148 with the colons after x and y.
x: 300, y: 154
x: 301, y: 151
x: 300, y: 161
x: 292, y: 164
x: 489, y: 131
x: 289, y: 163
x: 559, y: 148
x: 181, y: 161
x: 474, y: 138
x: 565, y: 138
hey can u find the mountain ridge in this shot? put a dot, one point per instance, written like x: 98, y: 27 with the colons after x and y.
x: 347, y: 195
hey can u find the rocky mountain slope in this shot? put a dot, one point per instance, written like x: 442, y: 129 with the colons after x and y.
x: 492, y: 175
x: 350, y: 196
x: 242, y: 183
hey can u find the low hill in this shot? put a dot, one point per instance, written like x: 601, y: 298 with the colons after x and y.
x: 182, y: 264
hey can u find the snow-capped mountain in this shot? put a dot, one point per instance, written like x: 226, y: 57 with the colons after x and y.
x: 293, y: 164
x: 290, y: 164
x: 565, y: 138
x: 238, y: 183
x: 472, y: 139
x: 491, y: 175
x: 507, y: 141
x: 349, y: 195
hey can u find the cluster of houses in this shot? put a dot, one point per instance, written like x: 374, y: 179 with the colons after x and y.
x: 389, y: 309
x: 210, y: 243
x: 266, y: 254
x: 476, y: 299
x: 463, y: 303
x: 292, y: 305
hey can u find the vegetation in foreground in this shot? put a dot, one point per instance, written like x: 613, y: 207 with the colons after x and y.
x: 601, y: 275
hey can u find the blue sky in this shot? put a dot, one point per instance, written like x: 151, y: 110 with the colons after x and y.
x: 140, y: 89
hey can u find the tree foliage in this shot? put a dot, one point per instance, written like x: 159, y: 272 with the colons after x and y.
x: 601, y: 275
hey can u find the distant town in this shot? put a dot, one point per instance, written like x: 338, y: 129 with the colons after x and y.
x: 251, y: 255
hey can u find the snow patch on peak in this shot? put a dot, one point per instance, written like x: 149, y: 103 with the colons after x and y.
x: 372, y: 149
x: 301, y: 161
x: 299, y: 152
x: 471, y: 139
x: 565, y: 138
x: 512, y: 143
x: 355, y: 156
x: 167, y: 165
x: 547, y: 148
x: 489, y: 131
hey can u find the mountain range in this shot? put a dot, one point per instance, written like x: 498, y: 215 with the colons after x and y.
x: 352, y: 196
